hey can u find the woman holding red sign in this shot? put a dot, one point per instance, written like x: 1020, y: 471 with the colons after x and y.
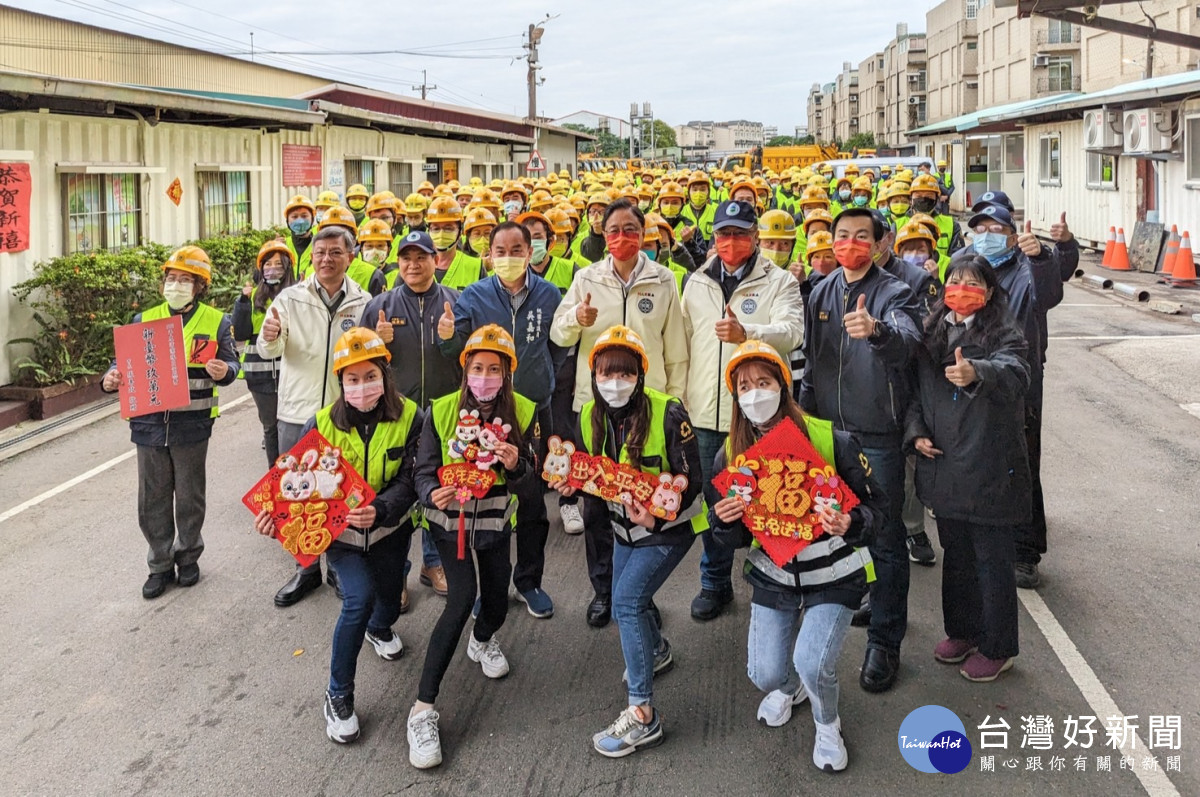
x: 376, y: 431
x: 820, y: 588
x: 636, y: 425
x: 482, y: 426
x: 967, y: 422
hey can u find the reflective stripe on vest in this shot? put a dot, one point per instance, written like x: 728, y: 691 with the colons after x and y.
x: 206, y: 321
x: 655, y: 446
x: 251, y: 360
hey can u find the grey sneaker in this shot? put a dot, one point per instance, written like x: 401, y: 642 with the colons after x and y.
x: 1027, y: 575
x: 341, y: 723
x: 424, y: 742
x: 628, y: 734
x: 489, y: 656
x: 776, y: 708
x: 664, y: 662
x: 572, y: 519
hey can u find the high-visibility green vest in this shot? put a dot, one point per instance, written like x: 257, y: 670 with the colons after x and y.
x: 560, y: 272
x: 445, y: 421
x: 703, y: 224
x: 205, y: 321
x: 361, y: 272
x: 945, y: 223
x: 655, y: 445
x: 378, y: 469
x: 302, y: 264
x: 463, y: 271
x: 250, y: 359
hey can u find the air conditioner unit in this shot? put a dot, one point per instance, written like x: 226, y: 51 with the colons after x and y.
x: 913, y: 78
x: 1143, y: 131
x: 914, y: 100
x: 1041, y: 60
x: 1098, y: 132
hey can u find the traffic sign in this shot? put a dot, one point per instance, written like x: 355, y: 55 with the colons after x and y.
x: 535, y: 162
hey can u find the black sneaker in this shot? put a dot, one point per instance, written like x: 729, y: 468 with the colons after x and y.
x: 1027, y: 575
x: 189, y: 575
x: 920, y: 550
x: 708, y: 604
x: 157, y: 583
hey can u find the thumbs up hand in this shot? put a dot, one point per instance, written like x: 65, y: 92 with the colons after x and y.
x: 248, y: 288
x: 729, y: 329
x: 585, y: 314
x: 271, y: 326
x: 962, y: 373
x: 1059, y: 231
x: 445, y: 327
x: 384, y: 329
x: 858, y: 323
x: 1028, y: 243
x: 798, y: 271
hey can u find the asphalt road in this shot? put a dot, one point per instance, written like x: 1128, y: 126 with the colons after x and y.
x: 213, y: 690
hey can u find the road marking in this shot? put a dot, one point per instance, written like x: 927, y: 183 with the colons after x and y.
x: 1077, y: 304
x: 1118, y: 337
x: 1155, y: 782
x: 9, y: 514
x: 1191, y: 409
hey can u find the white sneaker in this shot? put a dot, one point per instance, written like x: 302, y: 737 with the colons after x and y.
x: 829, y: 751
x: 424, y: 742
x: 776, y: 708
x: 489, y: 656
x: 341, y: 723
x: 388, y: 649
x: 572, y: 518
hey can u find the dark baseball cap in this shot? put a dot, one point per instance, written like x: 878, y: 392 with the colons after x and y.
x: 735, y: 214
x: 420, y: 240
x: 993, y: 198
x: 992, y: 213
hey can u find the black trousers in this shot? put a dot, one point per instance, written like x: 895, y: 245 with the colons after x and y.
x: 462, y: 587
x: 1031, y: 537
x: 533, y: 526
x: 979, y: 588
x: 598, y: 543
x: 267, y: 404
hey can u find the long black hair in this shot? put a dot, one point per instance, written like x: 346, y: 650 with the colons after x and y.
x: 504, y: 406
x: 991, y: 322
x: 623, y: 361
x: 389, y: 408
x: 264, y: 294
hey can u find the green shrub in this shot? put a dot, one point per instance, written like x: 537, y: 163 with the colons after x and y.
x: 77, y: 300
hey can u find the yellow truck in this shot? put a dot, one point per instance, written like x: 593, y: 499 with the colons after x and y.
x: 779, y: 158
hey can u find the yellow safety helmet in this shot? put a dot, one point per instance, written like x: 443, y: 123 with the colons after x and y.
x: 925, y: 182
x: 761, y: 187
x: 560, y: 220
x: 374, y: 230
x: 599, y: 198
x: 543, y: 184
x: 442, y: 190
x: 645, y: 191
x: 861, y: 184
x: 814, y: 195
x: 540, y: 200
x: 698, y: 177
x: 381, y: 201
x: 271, y: 247
x: 851, y: 169
x: 914, y: 231
x: 490, y: 337
x: 476, y: 182
x: 454, y: 185
x: 425, y: 186
x: 743, y: 182
x: 818, y: 242
x: 672, y: 190
x: 338, y: 216
x: 327, y: 199
x: 444, y: 209
x: 296, y: 202
x: 821, y: 214
x: 487, y: 198
x: 941, y: 164
x: 620, y: 337
x: 578, y: 201
x: 763, y: 352
x: 356, y: 190
x: 415, y: 203
x: 496, y: 184
x: 903, y: 174
x: 776, y: 225
x: 564, y: 174
x: 465, y: 190
x: 514, y: 187
x: 666, y: 234
x: 357, y: 345
x: 478, y: 217
x: 885, y: 169
x: 191, y: 259
x: 928, y: 222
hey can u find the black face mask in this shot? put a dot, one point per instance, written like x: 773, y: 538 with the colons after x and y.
x: 924, y: 205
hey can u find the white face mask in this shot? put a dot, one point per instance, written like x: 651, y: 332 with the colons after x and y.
x: 616, y: 392
x: 177, y: 296
x: 759, y: 406
x: 375, y: 256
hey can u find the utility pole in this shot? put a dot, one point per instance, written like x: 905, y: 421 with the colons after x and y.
x: 534, y: 38
x: 251, y: 45
x: 641, y: 130
x: 424, y: 88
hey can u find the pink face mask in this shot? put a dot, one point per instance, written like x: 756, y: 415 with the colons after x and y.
x: 485, y: 388
x: 363, y: 397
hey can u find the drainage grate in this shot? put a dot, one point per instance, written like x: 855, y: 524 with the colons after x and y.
x: 51, y: 425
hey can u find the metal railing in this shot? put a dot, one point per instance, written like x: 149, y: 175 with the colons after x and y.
x: 1063, y: 35
x: 1050, y: 85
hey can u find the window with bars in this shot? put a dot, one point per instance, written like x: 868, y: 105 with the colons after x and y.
x: 480, y: 171
x: 400, y: 180
x: 498, y: 171
x: 224, y: 202
x: 360, y: 171
x: 103, y: 212
x: 972, y: 9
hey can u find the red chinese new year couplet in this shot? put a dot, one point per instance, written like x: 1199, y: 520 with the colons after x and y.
x: 203, y: 350
x: 784, y: 481
x: 309, y: 492
x: 175, y: 191
x: 601, y: 476
x: 153, y: 367
x: 16, y: 190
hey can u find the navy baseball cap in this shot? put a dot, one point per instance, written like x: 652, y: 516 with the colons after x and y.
x: 735, y: 214
x: 992, y: 213
x: 420, y: 240
x: 993, y: 198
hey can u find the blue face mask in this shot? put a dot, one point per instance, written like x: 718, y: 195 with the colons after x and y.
x: 300, y: 226
x: 651, y: 253
x: 844, y: 194
x: 860, y: 201
x: 915, y: 258
x: 992, y: 245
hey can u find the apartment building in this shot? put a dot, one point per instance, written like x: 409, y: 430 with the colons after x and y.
x: 698, y: 138
x: 952, y: 59
x: 821, y: 112
x: 872, y: 102
x: 845, y: 103
x: 905, y: 84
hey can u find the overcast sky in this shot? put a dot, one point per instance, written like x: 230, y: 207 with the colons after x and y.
x: 690, y: 60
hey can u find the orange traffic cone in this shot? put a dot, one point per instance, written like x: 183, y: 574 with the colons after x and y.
x: 1184, y: 275
x: 1109, y: 246
x: 1120, y: 258
x: 1168, y: 264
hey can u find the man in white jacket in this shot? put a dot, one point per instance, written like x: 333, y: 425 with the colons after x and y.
x: 301, y: 328
x: 737, y: 295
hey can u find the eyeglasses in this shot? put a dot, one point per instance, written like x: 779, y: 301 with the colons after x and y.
x: 179, y: 281
x: 731, y: 232
x: 997, y: 228
x: 329, y: 254
x: 628, y: 229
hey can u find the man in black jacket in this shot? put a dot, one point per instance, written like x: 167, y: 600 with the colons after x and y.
x: 859, y: 336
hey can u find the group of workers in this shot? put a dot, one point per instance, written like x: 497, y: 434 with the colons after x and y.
x: 667, y: 320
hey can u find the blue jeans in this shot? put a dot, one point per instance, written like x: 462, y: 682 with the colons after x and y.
x: 889, y: 591
x: 638, y: 572
x: 371, y: 585
x: 814, y: 652
x: 716, y: 563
